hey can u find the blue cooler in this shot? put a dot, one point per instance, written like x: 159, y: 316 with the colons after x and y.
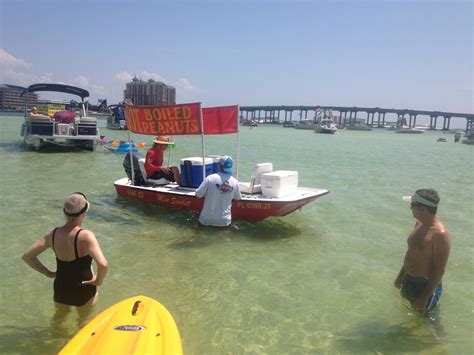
x: 215, y: 162
x: 191, y: 171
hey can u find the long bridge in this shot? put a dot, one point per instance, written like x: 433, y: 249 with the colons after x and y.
x: 348, y: 115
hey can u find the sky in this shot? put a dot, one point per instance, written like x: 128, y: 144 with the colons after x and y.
x: 390, y: 54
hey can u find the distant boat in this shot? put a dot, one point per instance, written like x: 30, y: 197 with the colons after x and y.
x: 326, y: 126
x: 442, y: 140
x: 116, y: 120
x: 358, y: 127
x: 250, y: 123
x: 469, y: 137
x: 392, y: 127
x: 306, y: 124
x: 408, y: 130
x: 422, y: 127
x: 289, y: 124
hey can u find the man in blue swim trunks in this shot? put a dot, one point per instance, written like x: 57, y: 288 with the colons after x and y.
x: 429, y: 244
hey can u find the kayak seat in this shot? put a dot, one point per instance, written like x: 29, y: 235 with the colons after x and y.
x: 254, y: 186
x: 141, y: 164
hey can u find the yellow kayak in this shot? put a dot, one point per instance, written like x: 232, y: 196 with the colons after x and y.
x: 138, y: 325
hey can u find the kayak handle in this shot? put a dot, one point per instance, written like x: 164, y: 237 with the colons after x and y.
x: 135, y: 307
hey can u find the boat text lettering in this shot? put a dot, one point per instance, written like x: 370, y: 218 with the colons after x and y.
x: 133, y: 193
x: 184, y: 203
x: 254, y: 205
x: 163, y: 199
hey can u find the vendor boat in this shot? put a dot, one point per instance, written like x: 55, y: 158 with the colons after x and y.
x: 64, y: 128
x: 268, y: 194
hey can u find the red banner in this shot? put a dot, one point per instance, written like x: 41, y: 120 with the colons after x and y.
x: 164, y: 120
x: 221, y: 120
x: 181, y: 119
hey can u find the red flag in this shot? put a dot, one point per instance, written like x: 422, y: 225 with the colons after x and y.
x: 221, y: 120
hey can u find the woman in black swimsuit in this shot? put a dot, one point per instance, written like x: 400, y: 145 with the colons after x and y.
x: 75, y: 283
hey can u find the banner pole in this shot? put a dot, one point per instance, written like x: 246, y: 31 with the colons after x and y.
x: 238, y: 143
x: 131, y: 158
x: 169, y: 154
x: 202, y: 144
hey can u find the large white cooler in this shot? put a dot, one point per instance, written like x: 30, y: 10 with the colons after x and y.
x: 279, y: 183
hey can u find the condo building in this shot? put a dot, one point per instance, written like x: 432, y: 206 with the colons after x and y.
x: 149, y: 92
x: 11, y: 98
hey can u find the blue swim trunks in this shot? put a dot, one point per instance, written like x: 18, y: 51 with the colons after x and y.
x: 413, y: 287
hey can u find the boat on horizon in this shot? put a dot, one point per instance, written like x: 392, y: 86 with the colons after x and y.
x: 306, y: 124
x: 469, y: 137
x: 268, y: 194
x: 289, y: 124
x: 326, y: 126
x: 251, y: 123
x: 409, y: 130
x: 65, y: 128
x: 358, y: 127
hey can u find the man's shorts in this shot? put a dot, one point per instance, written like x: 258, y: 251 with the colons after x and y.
x: 160, y: 175
x: 413, y: 287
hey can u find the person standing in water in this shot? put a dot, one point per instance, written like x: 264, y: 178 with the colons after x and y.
x: 429, y: 244
x: 218, y: 191
x: 75, y: 283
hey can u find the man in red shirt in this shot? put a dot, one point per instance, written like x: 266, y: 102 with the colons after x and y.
x: 154, y: 161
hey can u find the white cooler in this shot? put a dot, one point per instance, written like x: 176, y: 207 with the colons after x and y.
x: 63, y: 129
x: 279, y: 183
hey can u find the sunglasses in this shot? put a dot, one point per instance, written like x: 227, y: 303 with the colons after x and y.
x: 83, y: 210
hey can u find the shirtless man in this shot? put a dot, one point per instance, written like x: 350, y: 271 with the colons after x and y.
x: 34, y: 111
x: 429, y: 244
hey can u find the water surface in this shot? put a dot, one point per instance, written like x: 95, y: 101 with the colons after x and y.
x: 317, y: 281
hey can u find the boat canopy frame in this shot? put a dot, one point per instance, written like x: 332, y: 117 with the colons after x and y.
x: 68, y: 89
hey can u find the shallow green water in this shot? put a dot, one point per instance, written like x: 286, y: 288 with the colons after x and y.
x: 317, y: 281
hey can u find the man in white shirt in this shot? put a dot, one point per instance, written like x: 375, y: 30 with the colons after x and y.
x: 219, y: 190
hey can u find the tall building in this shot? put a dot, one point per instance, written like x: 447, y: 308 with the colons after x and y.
x: 11, y: 98
x: 149, y: 92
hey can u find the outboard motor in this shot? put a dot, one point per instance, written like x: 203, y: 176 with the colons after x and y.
x: 139, y: 181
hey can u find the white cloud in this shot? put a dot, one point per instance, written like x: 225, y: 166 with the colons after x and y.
x: 95, y: 90
x: 26, y: 79
x: 147, y: 75
x: 185, y: 84
x: 12, y: 61
x: 124, y: 76
x: 81, y: 80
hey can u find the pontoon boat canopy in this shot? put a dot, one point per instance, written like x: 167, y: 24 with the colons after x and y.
x: 68, y: 89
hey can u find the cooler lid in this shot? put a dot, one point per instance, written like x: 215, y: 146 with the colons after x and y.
x: 197, y: 160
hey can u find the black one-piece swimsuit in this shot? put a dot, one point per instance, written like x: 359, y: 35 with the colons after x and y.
x: 68, y: 287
